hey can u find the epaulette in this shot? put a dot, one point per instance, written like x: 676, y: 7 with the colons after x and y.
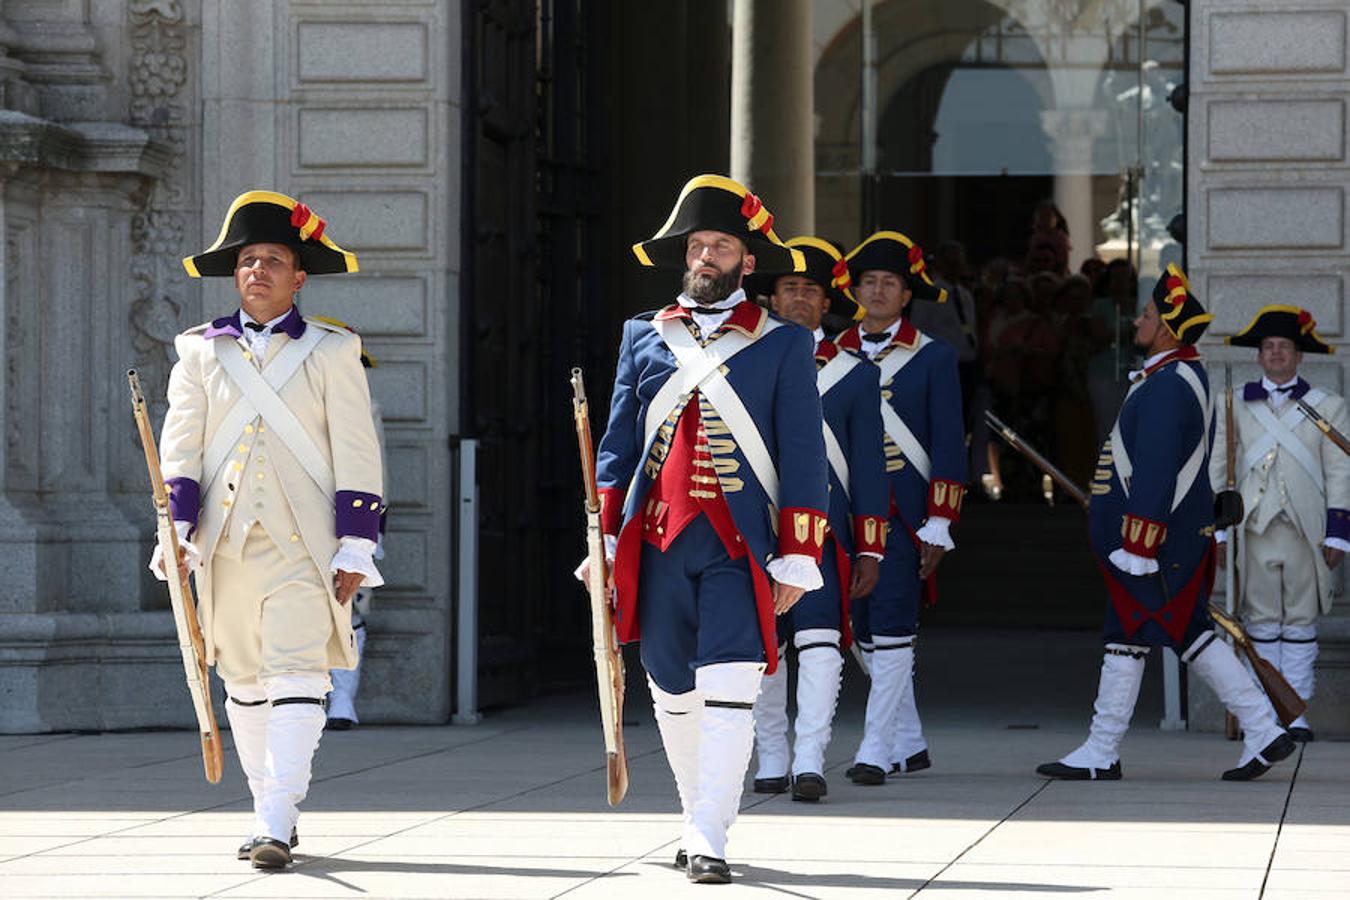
x: 646, y: 316
x: 197, y: 329
x: 328, y: 325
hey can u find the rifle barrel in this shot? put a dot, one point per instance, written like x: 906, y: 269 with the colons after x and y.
x: 1016, y: 441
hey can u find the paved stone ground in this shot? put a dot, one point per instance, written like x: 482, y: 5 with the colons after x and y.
x: 515, y: 808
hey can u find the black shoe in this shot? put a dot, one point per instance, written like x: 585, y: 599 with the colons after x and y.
x: 809, y: 786
x: 916, y: 763
x: 1301, y: 735
x: 1076, y: 773
x: 681, y: 859
x: 338, y: 724
x: 771, y: 786
x: 865, y: 774
x: 1280, y: 748
x: 267, y: 853
x: 851, y: 771
x: 709, y: 870
x: 246, y: 846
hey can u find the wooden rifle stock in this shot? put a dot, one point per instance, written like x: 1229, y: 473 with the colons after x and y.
x: 1286, y: 701
x: 608, y: 661
x: 190, y: 642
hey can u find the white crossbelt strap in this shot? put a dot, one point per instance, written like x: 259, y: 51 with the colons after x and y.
x: 701, y: 369
x: 830, y: 375
x: 260, y: 395
x: 1281, y: 431
x: 283, y: 367
x: 895, y: 426
x: 1190, y: 470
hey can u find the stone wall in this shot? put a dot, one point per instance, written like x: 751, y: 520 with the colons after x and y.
x: 126, y: 127
x: 1267, y: 179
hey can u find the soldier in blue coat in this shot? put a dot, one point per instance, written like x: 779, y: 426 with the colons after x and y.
x: 924, y: 441
x: 1151, y: 522
x: 714, y: 489
x: 818, y: 625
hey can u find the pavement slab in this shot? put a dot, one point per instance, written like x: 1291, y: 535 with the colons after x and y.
x: 514, y: 808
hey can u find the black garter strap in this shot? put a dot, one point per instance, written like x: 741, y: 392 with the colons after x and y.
x: 1211, y: 638
x: 833, y: 646
x: 313, y: 701
x: 728, y: 704
x: 237, y: 702
x: 1132, y: 654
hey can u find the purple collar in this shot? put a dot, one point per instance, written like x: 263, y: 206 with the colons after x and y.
x: 293, y: 326
x: 1253, y: 390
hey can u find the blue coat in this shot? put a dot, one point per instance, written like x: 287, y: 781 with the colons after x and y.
x: 775, y: 378
x: 1161, y: 424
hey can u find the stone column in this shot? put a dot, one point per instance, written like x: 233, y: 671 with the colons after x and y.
x: 1072, y: 133
x: 773, y: 109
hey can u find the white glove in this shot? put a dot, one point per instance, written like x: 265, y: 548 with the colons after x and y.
x: 357, y: 554
x: 796, y: 570
x: 1221, y: 536
x: 1337, y: 544
x: 1131, y: 563
x: 938, y: 532
x: 582, y: 572
x: 192, y: 556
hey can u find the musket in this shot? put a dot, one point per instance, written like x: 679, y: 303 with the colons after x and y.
x: 1230, y: 724
x: 1286, y: 701
x: 1015, y: 441
x: 190, y: 643
x: 608, y: 660
x: 1323, y: 425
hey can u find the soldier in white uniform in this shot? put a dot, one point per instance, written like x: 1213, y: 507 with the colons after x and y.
x: 1295, y: 488
x: 274, y: 472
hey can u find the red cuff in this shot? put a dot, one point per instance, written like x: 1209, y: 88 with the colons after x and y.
x: 944, y: 499
x: 611, y: 510
x: 801, y: 531
x: 869, y: 535
x: 1143, y: 537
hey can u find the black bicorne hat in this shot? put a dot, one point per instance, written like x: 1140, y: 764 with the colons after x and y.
x: 266, y: 217
x: 1181, y: 312
x: 716, y: 203
x: 826, y: 266
x: 1283, y: 321
x: 891, y: 251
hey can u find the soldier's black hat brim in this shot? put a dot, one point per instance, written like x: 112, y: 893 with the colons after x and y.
x: 1283, y: 321
x: 891, y: 251
x: 1179, y: 309
x: 266, y: 217
x: 717, y: 203
x: 826, y: 266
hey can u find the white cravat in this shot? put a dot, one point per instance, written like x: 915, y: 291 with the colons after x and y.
x: 708, y: 322
x: 258, y: 340
x: 1276, y: 396
x: 872, y: 348
x: 1139, y: 372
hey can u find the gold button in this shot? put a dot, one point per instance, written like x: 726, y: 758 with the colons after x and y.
x: 260, y: 476
x: 356, y: 504
x: 237, y: 465
x: 374, y: 506
x: 261, y: 429
x: 260, y: 459
x: 295, y: 539
x: 248, y: 429
x: 243, y: 448
x: 225, y: 503
x: 248, y: 355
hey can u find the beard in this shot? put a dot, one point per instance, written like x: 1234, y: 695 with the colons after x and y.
x: 707, y: 290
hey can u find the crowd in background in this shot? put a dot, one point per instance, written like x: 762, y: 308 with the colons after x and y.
x: 1047, y: 349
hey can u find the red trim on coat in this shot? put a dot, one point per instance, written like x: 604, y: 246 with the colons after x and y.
x: 944, y: 498
x: 611, y: 509
x: 877, y: 544
x: 1179, y: 609
x: 844, y: 566
x: 802, y: 530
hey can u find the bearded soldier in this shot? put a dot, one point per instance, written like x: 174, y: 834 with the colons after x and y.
x: 713, y: 479
x: 1295, y: 487
x: 818, y: 625
x: 273, y: 466
x: 1151, y: 524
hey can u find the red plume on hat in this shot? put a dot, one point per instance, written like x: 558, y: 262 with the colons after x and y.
x: 759, y: 218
